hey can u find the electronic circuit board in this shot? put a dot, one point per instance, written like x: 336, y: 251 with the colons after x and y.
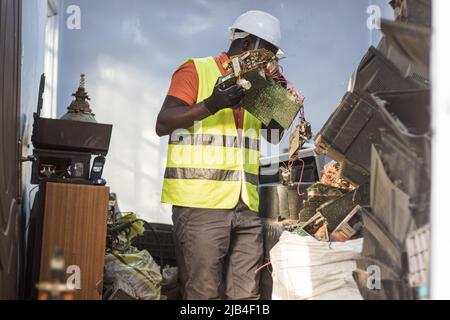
x: 272, y: 102
x: 264, y: 98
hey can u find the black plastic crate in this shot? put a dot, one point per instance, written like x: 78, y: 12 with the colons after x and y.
x: 310, y: 171
x: 413, y: 43
x: 158, y: 240
x: 380, y: 245
x: 413, y: 11
x: 407, y: 113
x: 408, y: 47
x: 272, y: 231
x: 349, y: 132
x: 279, y: 201
x: 408, y: 170
x: 382, y: 250
x: 377, y: 73
x: 389, y: 203
x: 79, y: 136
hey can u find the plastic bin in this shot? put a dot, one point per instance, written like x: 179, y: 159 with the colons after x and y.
x: 349, y: 132
x: 407, y: 113
x: 352, y: 128
x: 277, y: 201
x: 159, y: 242
x: 389, y: 203
x: 381, y: 250
x: 379, y: 244
x: 408, y: 47
x: 413, y: 11
x: 406, y: 168
x: 272, y: 231
x: 269, y: 172
x: 413, y: 42
x: 377, y: 73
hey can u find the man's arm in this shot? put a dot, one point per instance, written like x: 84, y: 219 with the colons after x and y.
x: 176, y: 114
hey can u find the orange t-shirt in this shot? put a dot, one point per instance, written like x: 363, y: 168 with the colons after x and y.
x: 184, y: 85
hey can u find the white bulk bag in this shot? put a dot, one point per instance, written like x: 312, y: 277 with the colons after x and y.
x: 305, y: 268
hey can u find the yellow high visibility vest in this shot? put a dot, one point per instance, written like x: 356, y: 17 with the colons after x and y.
x: 211, y: 164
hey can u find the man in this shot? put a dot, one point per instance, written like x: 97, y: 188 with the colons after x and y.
x: 212, y: 170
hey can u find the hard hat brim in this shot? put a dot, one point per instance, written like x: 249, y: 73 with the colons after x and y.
x: 280, y: 54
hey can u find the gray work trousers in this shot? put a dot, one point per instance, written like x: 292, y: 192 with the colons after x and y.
x: 218, y: 252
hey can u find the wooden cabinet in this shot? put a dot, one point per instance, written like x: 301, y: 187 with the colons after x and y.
x: 75, y: 221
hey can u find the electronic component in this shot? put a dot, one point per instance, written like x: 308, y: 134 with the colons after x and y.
x: 54, y: 165
x: 97, y: 171
x: 97, y: 168
x: 286, y: 176
x: 299, y: 137
x: 260, y: 59
x: 64, y: 147
x: 267, y: 95
x: 272, y: 102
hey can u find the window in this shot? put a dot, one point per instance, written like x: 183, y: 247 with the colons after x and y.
x: 51, y: 60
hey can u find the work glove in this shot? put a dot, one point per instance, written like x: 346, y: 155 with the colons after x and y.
x: 221, y: 99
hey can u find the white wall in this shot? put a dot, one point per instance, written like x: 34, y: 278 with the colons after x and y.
x: 130, y: 98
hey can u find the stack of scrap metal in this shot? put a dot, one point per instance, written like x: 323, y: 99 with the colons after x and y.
x: 354, y: 125
x: 380, y: 132
x: 331, y: 176
x: 318, y: 194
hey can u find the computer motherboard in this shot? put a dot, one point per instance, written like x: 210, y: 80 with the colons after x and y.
x: 265, y: 97
x: 272, y: 102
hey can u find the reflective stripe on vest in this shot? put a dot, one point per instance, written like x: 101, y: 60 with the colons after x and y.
x: 211, y: 164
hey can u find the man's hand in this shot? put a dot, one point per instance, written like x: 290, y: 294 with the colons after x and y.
x: 221, y: 99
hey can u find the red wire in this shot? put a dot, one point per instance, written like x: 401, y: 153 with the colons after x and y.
x: 301, y: 177
x: 290, y: 163
x: 277, y: 75
x: 262, y: 267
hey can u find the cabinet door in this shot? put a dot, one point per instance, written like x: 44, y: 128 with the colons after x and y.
x: 75, y: 221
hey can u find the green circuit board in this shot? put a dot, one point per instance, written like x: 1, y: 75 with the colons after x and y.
x: 271, y: 102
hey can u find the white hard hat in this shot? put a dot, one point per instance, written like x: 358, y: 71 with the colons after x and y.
x: 260, y: 24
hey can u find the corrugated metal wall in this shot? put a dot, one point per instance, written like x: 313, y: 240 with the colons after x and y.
x: 10, y: 53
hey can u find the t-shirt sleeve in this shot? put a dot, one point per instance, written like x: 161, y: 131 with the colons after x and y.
x: 184, y: 84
